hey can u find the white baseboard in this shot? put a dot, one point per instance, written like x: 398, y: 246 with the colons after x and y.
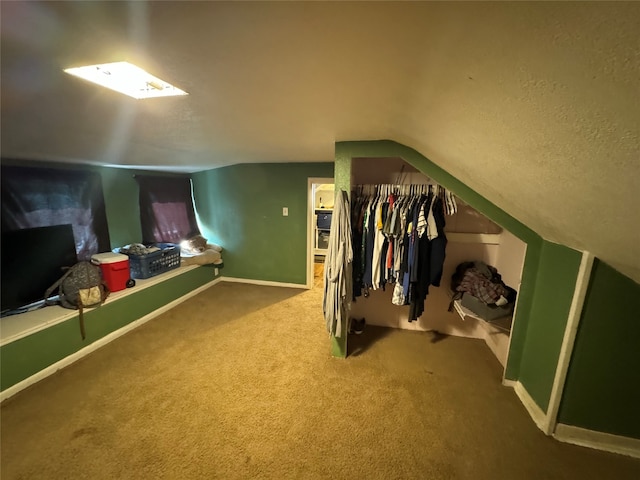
x: 576, y: 435
x: 51, y: 369
x: 599, y: 440
x: 536, y: 413
x: 267, y: 283
x: 509, y: 383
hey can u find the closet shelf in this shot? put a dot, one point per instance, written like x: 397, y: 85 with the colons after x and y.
x: 502, y: 323
x: 460, y: 237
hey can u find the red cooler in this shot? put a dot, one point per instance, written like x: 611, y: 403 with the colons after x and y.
x: 115, y: 269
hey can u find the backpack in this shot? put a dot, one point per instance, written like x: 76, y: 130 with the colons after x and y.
x: 80, y: 286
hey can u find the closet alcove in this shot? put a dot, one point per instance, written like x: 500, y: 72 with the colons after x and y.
x: 471, y: 236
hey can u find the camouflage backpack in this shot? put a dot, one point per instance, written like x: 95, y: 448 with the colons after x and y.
x: 81, y: 286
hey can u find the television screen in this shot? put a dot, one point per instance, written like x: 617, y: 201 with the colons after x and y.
x: 32, y: 261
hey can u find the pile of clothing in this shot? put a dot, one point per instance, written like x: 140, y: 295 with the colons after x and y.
x: 484, y: 284
x: 137, y: 249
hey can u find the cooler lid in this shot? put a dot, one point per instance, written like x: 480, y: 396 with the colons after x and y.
x: 108, y: 257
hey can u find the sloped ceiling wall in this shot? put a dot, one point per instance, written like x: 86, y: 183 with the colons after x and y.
x: 534, y: 105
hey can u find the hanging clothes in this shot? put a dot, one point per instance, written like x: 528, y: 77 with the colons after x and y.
x: 431, y: 255
x: 400, y: 240
x: 338, y: 281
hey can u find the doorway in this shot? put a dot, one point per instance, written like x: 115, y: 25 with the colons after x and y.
x: 320, y: 201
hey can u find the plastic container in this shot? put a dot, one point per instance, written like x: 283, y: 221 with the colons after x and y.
x: 115, y: 269
x: 146, y: 266
x: 324, y: 221
x: 484, y: 311
x: 323, y: 240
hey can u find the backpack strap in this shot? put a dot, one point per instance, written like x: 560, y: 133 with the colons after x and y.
x: 105, y: 291
x: 81, y: 317
x: 55, y: 286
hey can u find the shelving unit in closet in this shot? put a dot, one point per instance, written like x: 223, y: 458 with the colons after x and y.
x: 323, y: 195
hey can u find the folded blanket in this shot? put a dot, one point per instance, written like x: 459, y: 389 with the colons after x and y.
x: 206, y: 257
x: 197, y: 244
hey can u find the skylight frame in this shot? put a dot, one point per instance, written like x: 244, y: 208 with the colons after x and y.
x: 126, y: 78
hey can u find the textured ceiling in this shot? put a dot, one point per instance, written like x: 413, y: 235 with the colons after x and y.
x: 534, y: 105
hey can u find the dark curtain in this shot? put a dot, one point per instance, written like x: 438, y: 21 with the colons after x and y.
x: 166, y: 209
x: 42, y: 197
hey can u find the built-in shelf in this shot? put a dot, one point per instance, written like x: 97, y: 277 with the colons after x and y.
x: 321, y: 231
x: 502, y: 323
x: 21, y: 325
x: 486, y: 238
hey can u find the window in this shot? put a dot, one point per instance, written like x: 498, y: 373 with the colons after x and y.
x: 166, y: 209
x: 43, y: 197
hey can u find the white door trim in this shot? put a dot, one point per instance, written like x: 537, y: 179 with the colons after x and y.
x: 310, y: 224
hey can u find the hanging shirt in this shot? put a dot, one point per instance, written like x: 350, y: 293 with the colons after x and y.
x: 432, y: 228
x: 337, y: 269
x: 368, y: 238
x: 378, y: 242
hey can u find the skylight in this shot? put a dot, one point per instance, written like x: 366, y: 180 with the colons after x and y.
x: 126, y: 78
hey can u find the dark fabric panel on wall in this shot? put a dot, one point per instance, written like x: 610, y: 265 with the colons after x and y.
x: 166, y: 209
x: 41, y: 197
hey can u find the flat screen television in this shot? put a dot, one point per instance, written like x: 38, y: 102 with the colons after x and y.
x: 32, y: 260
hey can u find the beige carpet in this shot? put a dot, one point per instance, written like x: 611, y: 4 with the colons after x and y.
x: 238, y: 383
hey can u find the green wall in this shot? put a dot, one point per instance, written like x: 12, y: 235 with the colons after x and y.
x: 123, y: 209
x: 555, y: 285
x: 28, y: 355
x: 342, y: 181
x: 240, y: 208
x: 524, y: 304
x: 602, y: 391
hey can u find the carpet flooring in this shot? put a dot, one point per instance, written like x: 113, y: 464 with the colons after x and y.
x: 238, y: 383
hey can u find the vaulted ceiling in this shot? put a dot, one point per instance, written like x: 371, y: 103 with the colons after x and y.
x: 536, y: 106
